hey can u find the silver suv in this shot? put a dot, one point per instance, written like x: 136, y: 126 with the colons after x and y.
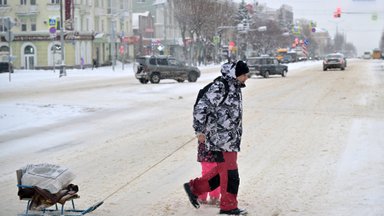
x: 156, y: 68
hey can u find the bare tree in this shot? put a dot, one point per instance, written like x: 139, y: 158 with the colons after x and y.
x: 266, y: 42
x: 199, y: 19
x: 182, y: 17
x: 339, y: 41
x: 350, y: 50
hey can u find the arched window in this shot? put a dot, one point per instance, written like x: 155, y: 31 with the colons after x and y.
x: 56, y: 48
x: 29, y: 50
x: 4, y: 49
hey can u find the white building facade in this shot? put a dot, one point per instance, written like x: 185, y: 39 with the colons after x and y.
x: 92, y: 29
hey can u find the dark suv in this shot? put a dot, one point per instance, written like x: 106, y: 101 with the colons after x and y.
x: 265, y: 66
x: 156, y: 68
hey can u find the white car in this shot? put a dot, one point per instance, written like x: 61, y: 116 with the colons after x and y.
x: 367, y: 55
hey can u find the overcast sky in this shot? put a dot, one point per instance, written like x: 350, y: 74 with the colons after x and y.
x: 356, y: 19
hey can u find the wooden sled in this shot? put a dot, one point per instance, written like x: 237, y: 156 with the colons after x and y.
x: 29, y: 193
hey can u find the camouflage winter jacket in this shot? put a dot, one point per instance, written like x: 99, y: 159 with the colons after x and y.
x: 220, y: 122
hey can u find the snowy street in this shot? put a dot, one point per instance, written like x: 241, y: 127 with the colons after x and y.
x: 313, y: 142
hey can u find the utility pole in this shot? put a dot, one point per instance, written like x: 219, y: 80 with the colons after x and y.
x: 122, y: 44
x: 112, y: 36
x: 62, y: 67
x: 113, y: 45
x: 165, y: 24
x: 9, y: 26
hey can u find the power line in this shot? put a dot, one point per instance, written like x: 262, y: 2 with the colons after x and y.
x: 363, y: 30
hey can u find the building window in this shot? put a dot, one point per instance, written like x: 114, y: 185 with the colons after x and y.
x: 24, y: 27
x: 29, y: 50
x: 33, y: 2
x: 55, y: 1
x: 3, y: 28
x: 3, y: 2
x: 23, y: 2
x: 56, y: 48
x: 4, y: 49
x: 33, y: 24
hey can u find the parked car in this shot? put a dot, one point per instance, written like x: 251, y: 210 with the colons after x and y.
x: 334, y: 60
x: 4, y: 67
x: 156, y: 68
x: 265, y: 66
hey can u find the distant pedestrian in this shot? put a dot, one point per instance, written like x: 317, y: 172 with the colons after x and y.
x: 94, y: 63
x: 218, y: 124
x: 82, y: 63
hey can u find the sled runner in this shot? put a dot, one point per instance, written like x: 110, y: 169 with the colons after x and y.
x: 41, y: 201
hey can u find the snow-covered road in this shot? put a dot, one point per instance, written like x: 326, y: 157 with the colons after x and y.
x: 312, y: 144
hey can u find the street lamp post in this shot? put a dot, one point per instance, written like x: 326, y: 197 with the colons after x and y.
x: 242, y: 29
x: 220, y: 30
x: 113, y: 44
x: 262, y: 29
x: 8, y: 37
x: 114, y: 14
x: 62, y: 67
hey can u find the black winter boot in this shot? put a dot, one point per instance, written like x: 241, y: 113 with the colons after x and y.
x: 192, y: 197
x: 235, y: 211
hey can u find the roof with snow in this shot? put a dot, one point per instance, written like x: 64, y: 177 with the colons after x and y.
x: 135, y: 19
x: 157, y: 2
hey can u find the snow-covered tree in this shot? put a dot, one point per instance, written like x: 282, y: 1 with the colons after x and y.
x: 242, y: 17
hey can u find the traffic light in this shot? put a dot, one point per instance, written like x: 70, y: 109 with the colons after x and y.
x: 337, y: 13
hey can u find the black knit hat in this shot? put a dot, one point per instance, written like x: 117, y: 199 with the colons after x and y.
x: 241, y: 68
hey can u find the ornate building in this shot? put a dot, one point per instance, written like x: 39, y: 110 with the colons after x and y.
x: 92, y: 29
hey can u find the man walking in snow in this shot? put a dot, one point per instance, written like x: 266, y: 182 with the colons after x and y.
x: 218, y: 124
x: 94, y: 63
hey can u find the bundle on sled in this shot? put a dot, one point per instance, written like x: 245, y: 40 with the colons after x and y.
x: 44, y: 186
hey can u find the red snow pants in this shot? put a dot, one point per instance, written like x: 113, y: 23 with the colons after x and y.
x: 205, y: 168
x: 225, y: 175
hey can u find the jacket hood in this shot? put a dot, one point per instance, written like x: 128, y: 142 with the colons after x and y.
x: 228, y: 69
